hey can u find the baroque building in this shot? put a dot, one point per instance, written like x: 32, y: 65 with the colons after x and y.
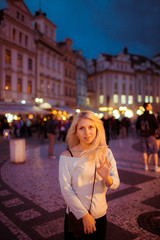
x: 120, y: 84
x: 70, y: 83
x: 17, y: 54
x: 49, y: 65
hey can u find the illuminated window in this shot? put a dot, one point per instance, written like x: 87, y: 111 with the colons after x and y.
x: 88, y: 101
x: 8, y: 83
x: 101, y: 99
x: 19, y: 60
x: 115, y: 98
x: 157, y: 99
x: 19, y: 85
x: 123, y: 99
x: 8, y: 56
x: 29, y: 87
x: 139, y: 98
x: 146, y: 99
x: 151, y: 99
x: 130, y: 99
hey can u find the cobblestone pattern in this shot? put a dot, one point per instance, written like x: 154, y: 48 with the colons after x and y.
x: 32, y: 206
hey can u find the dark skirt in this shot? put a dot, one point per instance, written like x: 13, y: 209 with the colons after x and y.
x: 101, y: 225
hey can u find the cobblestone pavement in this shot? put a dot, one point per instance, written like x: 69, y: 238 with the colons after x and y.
x: 31, y: 205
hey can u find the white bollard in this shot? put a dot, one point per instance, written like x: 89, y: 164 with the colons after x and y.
x: 17, y: 150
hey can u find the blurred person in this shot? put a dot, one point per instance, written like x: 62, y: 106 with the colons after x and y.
x: 88, y: 161
x: 6, y: 129
x: 67, y: 126
x: 106, y: 125
x: 51, y: 127
x: 147, y: 124
x: 28, y: 126
x: 61, y: 126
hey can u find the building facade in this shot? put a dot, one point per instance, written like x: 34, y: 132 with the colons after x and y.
x: 81, y: 78
x: 49, y: 67
x: 70, y: 84
x: 17, y: 54
x: 120, y: 84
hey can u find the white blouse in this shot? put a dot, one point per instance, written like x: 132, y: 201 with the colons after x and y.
x: 76, y: 178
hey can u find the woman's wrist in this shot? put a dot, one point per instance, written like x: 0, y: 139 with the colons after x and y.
x: 109, y: 181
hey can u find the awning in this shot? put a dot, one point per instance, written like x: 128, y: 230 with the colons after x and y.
x: 21, y: 109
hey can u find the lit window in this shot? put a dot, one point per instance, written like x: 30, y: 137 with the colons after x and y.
x: 157, y: 99
x: 115, y: 98
x: 101, y: 99
x: 151, y: 99
x: 29, y: 87
x: 146, y: 99
x: 8, y: 83
x: 19, y: 85
x: 8, y: 56
x: 130, y: 99
x: 139, y: 98
x: 20, y: 60
x: 88, y: 101
x: 123, y: 99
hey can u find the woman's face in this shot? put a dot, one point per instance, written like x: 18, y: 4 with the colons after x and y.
x: 86, y: 131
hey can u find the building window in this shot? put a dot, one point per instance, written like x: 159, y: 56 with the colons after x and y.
x: 146, y: 99
x: 123, y: 99
x: 139, y: 98
x: 47, y: 62
x: 29, y: 64
x: 19, y: 85
x: 18, y: 15
x: 42, y: 86
x: 14, y: 34
x: 22, y: 18
x: 48, y: 86
x: 115, y: 98
x: 20, y: 37
x: 29, y: 87
x: 46, y: 30
x: 8, y: 83
x: 101, y: 99
x: 157, y: 99
x: 53, y: 88
x: 26, y: 40
x: 53, y: 64
x: 66, y: 91
x: 41, y: 58
x: 130, y: 99
x: 20, y: 60
x: 8, y: 56
x: 59, y: 67
x: 88, y: 101
x: 151, y: 99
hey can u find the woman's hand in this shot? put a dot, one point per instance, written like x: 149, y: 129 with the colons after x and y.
x: 104, y: 171
x: 89, y: 224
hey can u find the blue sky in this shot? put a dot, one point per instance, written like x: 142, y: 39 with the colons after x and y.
x: 105, y: 26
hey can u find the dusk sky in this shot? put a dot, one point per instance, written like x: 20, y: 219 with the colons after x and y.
x: 105, y: 26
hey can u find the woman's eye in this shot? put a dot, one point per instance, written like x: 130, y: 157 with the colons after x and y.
x: 91, y: 127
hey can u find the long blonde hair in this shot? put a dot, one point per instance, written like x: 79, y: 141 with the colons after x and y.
x: 98, y: 147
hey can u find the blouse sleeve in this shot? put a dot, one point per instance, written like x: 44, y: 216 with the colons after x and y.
x: 113, y: 172
x: 71, y: 199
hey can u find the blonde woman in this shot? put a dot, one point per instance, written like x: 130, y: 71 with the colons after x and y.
x: 88, y: 151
